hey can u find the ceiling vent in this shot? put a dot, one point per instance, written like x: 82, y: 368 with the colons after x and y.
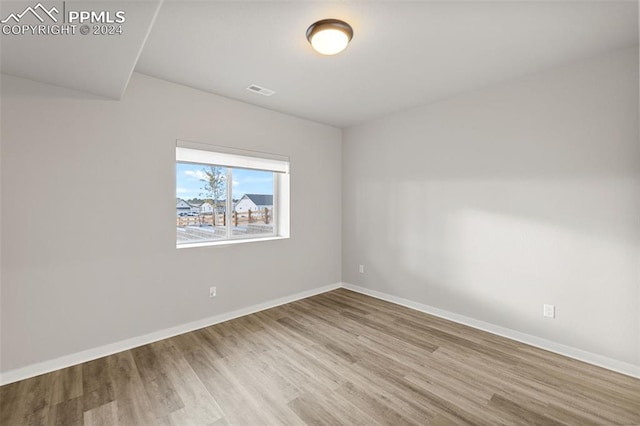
x: 261, y: 90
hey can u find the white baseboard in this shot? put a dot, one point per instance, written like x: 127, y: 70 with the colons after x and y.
x: 99, y: 352
x: 579, y: 354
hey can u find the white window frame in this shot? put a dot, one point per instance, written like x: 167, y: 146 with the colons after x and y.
x: 230, y: 158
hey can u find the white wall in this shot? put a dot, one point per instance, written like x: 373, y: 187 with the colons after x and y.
x: 76, y: 282
x: 487, y: 205
x: 493, y: 203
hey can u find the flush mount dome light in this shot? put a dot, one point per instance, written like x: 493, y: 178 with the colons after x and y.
x: 329, y: 36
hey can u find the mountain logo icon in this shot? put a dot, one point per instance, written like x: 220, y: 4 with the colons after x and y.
x: 39, y: 11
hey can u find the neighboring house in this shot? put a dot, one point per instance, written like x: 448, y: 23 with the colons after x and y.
x: 206, y: 208
x: 254, y: 202
x: 182, y: 206
x: 195, y: 206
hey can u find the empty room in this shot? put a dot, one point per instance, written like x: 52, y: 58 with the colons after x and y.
x: 319, y: 213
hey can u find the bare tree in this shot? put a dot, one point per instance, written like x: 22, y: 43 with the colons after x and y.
x: 214, y: 186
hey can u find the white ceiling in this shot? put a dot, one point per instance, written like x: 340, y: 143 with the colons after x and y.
x: 96, y: 64
x: 403, y: 54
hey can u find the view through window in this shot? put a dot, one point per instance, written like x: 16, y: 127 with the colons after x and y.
x: 223, y: 197
x: 205, y: 213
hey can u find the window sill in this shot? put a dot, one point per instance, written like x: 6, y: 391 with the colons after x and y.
x: 229, y: 242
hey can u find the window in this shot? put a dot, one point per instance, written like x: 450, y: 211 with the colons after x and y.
x: 224, y: 195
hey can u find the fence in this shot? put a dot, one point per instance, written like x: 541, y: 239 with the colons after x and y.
x: 264, y: 216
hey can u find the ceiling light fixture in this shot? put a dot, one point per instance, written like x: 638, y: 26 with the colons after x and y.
x: 329, y: 36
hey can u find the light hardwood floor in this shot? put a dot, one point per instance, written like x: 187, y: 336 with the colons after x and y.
x: 336, y: 358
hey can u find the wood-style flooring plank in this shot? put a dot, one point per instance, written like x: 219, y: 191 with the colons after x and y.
x: 97, y: 388
x: 104, y: 415
x: 68, y: 412
x: 67, y: 384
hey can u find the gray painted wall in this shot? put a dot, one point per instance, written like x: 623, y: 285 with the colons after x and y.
x: 76, y: 282
x: 495, y: 202
x: 487, y: 205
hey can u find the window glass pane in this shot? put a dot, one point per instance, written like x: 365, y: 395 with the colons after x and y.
x: 253, y: 208
x: 201, y: 192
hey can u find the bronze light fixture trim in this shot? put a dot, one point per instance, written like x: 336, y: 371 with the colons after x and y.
x: 329, y: 36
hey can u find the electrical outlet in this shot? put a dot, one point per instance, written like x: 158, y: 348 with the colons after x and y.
x: 212, y: 292
x: 549, y: 311
x: 361, y: 269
